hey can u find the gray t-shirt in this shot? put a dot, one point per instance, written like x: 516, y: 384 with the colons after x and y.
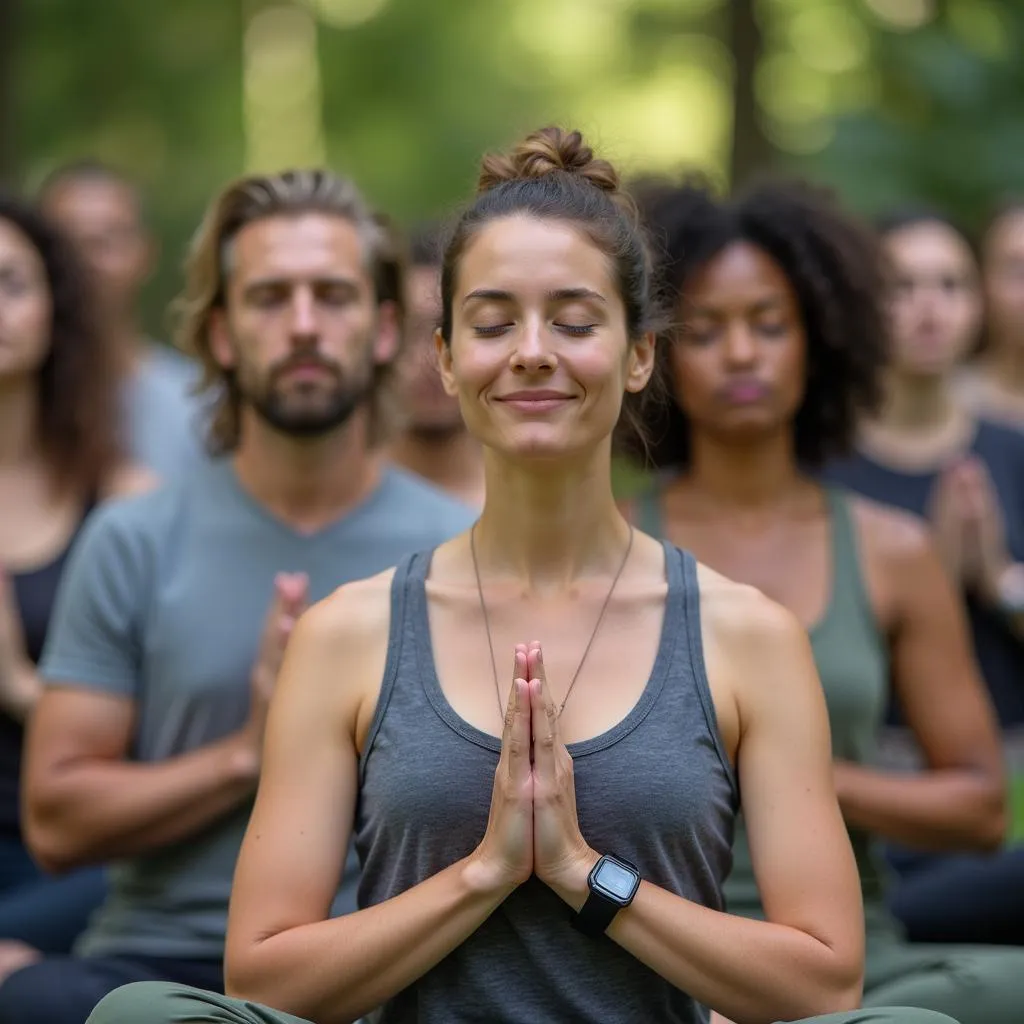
x: 163, y: 420
x: 163, y: 601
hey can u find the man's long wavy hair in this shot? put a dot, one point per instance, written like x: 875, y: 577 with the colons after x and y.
x: 208, y: 265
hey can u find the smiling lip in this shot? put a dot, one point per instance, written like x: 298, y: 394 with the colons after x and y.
x: 535, y: 401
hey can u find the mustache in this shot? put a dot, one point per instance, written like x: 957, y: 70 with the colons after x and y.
x: 299, y: 360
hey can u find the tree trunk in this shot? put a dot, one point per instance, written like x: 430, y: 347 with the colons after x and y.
x: 8, y: 46
x: 751, y: 149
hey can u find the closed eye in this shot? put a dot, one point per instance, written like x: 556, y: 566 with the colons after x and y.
x: 577, y: 330
x: 491, y: 331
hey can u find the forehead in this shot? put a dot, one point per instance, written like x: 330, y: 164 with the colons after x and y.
x: 739, y: 272
x: 16, y: 248
x: 1007, y: 235
x: 529, y: 256
x: 423, y: 284
x: 928, y: 246
x: 303, y: 246
x: 87, y: 200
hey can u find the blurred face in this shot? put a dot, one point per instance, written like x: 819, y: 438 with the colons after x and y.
x: 539, y: 355
x: 739, y: 364
x: 102, y: 218
x: 302, y: 330
x: 431, y: 412
x: 935, y: 301
x: 25, y: 308
x: 1004, y: 279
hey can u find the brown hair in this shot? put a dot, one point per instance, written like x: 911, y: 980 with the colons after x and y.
x: 553, y: 174
x: 209, y: 264
x: 77, y: 381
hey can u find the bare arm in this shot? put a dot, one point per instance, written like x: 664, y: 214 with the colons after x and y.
x: 960, y: 802
x: 807, y: 957
x: 85, y: 803
x: 281, y: 948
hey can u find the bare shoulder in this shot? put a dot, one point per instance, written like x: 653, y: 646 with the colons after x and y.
x: 355, y: 616
x: 337, y: 654
x: 737, y: 613
x: 891, y: 537
x: 757, y: 656
x: 127, y: 479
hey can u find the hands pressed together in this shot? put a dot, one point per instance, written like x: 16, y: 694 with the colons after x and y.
x: 968, y: 527
x: 532, y: 828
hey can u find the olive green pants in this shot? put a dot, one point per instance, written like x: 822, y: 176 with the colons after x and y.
x: 155, y: 1002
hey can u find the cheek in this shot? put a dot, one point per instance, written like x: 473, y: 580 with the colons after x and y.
x: 30, y: 319
x: 689, y: 377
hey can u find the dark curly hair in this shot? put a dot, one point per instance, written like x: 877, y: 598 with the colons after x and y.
x: 834, y: 264
x: 77, y: 381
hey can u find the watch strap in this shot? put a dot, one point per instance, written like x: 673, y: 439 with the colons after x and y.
x: 596, y: 914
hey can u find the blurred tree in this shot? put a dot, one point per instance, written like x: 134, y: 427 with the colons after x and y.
x: 752, y: 151
x: 9, y: 11
x: 941, y: 120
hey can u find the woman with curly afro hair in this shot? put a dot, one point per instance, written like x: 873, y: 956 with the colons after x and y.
x: 776, y: 351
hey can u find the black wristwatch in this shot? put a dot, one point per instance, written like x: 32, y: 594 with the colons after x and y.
x: 613, y: 883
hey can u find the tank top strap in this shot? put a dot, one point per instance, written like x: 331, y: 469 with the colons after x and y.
x: 849, y: 593
x: 682, y: 578
x: 407, y: 585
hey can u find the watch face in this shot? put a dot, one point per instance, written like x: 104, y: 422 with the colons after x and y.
x: 619, y: 882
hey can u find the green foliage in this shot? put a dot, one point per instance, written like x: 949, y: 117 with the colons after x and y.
x: 943, y: 126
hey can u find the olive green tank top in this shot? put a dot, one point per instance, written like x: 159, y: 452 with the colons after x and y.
x: 852, y: 660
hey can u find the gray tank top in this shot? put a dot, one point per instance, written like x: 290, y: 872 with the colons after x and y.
x: 656, y: 789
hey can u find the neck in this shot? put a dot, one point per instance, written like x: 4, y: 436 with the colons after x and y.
x: 748, y: 476
x: 550, y: 525
x: 307, y: 483
x: 123, y: 334
x: 918, y: 405
x: 19, y: 412
x: 453, y: 462
x: 1004, y: 365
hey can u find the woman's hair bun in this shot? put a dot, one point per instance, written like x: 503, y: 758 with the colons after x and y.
x: 547, y: 151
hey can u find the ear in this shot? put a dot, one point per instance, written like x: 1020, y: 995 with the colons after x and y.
x: 386, y: 342
x: 219, y: 335
x: 640, y: 362
x: 444, y: 363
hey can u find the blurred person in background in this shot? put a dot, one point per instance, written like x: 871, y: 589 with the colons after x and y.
x: 993, y: 384
x: 101, y: 210
x: 433, y: 441
x: 145, y: 746
x: 779, y: 346
x: 926, y: 453
x: 59, y: 457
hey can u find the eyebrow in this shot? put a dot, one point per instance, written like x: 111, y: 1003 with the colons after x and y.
x: 765, y: 305
x: 284, y: 280
x: 558, y: 295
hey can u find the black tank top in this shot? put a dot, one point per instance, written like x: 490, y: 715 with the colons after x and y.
x: 34, y: 593
x: 657, y: 789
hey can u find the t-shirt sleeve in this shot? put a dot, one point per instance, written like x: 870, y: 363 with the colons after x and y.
x: 94, y: 640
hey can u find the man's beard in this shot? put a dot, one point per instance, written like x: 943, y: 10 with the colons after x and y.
x: 319, y: 411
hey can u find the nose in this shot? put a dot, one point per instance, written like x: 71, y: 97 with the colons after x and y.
x: 740, y: 344
x: 532, y: 352
x: 303, y: 314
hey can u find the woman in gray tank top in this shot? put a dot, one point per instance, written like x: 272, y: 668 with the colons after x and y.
x: 543, y: 834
